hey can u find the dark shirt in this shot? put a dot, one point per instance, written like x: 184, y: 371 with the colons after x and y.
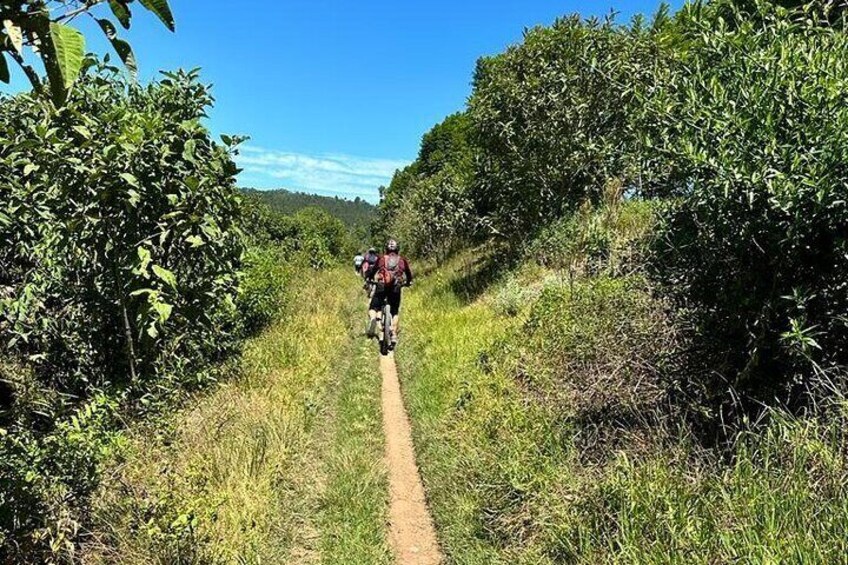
x: 371, y: 259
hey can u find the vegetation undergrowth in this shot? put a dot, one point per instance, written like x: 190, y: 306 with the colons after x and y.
x: 549, y: 438
x: 282, y: 465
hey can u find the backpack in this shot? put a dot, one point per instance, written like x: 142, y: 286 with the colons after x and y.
x: 391, y: 274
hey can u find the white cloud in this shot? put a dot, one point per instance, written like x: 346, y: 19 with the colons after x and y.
x: 342, y: 175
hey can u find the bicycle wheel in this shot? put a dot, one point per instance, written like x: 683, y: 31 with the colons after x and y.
x: 387, y: 327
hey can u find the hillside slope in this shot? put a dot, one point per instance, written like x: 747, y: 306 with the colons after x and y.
x: 354, y: 213
x: 541, y: 440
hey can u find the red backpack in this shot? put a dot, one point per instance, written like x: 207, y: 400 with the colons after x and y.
x: 391, y: 273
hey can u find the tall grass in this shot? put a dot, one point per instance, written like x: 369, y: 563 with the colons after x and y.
x: 262, y: 470
x: 503, y: 452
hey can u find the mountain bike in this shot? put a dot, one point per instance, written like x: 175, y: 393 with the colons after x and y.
x: 384, y: 325
x: 384, y: 330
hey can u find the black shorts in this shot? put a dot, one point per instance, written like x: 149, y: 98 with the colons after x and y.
x: 392, y: 297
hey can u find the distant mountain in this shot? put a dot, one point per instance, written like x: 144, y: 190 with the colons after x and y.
x: 353, y: 213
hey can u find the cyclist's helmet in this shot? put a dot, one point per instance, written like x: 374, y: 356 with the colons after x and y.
x: 392, y: 246
x: 372, y: 250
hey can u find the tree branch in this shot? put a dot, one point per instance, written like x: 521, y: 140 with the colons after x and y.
x: 81, y: 10
x: 30, y: 72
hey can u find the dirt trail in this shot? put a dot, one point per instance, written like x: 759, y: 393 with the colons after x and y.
x: 411, y: 531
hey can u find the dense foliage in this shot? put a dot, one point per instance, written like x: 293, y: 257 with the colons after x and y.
x: 755, y: 246
x: 131, y: 269
x: 427, y: 204
x: 730, y: 113
x: 121, y: 246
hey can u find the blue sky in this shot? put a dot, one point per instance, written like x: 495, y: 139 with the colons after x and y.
x: 336, y: 94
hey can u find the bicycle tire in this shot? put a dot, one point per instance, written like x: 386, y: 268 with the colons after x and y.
x: 387, y: 326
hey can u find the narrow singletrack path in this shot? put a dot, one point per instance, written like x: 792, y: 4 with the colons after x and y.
x: 411, y: 531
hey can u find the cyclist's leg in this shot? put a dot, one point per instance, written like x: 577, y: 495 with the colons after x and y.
x: 394, y: 302
x: 373, y: 311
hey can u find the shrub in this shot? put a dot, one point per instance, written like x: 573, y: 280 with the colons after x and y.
x: 752, y: 116
x: 552, y: 121
x: 119, y: 256
x: 264, y: 288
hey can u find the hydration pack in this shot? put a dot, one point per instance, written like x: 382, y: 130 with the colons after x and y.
x: 391, y: 274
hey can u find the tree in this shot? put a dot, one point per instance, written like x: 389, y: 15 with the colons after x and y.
x: 43, y: 26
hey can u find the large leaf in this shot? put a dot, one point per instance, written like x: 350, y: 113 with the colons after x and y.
x: 122, y: 12
x: 66, y: 54
x: 162, y: 11
x: 4, y: 69
x: 121, y: 47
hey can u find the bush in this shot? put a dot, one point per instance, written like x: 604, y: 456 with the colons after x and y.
x: 552, y: 121
x: 265, y: 287
x: 320, y: 238
x: 120, y: 251
x: 752, y: 116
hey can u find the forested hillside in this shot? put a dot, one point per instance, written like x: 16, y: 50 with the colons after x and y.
x: 356, y: 213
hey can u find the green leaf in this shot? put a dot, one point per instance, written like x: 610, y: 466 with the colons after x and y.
x: 66, y: 55
x: 135, y: 197
x: 144, y: 292
x: 122, y: 12
x: 130, y: 179
x: 83, y: 131
x: 163, y: 310
x: 144, y: 259
x: 188, y: 150
x: 195, y: 241
x: 4, y: 69
x: 122, y: 48
x: 162, y: 11
x: 165, y: 276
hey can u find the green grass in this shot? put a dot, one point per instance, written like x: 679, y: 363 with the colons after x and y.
x: 280, y: 466
x: 504, y: 459
x: 352, y: 519
x: 502, y: 384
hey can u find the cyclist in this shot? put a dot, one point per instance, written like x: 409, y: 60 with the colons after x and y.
x: 357, y: 262
x: 391, y: 273
x: 371, y: 259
